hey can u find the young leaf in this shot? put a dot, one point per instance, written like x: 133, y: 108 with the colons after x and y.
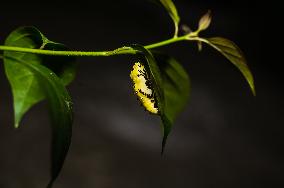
x: 233, y: 53
x: 171, y: 8
x: 170, y: 84
x: 199, y: 46
x: 205, y: 21
x: 25, y: 87
x: 61, y: 110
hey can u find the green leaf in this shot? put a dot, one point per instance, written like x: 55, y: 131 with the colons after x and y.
x: 233, y: 53
x: 32, y: 82
x: 25, y: 87
x: 170, y: 84
x: 61, y: 110
x: 176, y: 85
x: 172, y: 11
x: 63, y: 66
x: 171, y: 8
x: 176, y: 88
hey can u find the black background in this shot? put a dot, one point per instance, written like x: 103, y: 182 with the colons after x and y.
x: 224, y: 138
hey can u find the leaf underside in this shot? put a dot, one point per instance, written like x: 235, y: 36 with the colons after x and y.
x: 170, y: 84
x: 176, y: 88
x: 25, y: 87
x: 234, y: 54
x: 31, y: 81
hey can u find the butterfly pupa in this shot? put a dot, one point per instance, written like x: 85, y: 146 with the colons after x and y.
x: 143, y: 88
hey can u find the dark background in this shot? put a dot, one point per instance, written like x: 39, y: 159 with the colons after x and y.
x: 224, y: 138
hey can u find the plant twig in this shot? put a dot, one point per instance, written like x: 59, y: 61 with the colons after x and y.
x: 118, y: 51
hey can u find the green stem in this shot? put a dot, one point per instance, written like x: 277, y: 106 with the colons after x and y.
x: 119, y: 51
x: 166, y: 42
x: 176, y: 30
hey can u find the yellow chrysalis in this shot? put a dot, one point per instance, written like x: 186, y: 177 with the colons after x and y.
x: 143, y: 88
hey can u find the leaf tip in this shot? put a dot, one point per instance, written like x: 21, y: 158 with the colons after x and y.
x: 16, y: 125
x: 163, y: 145
x: 17, y: 122
x: 50, y: 184
x: 167, y: 125
x: 253, y: 90
x: 250, y: 80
